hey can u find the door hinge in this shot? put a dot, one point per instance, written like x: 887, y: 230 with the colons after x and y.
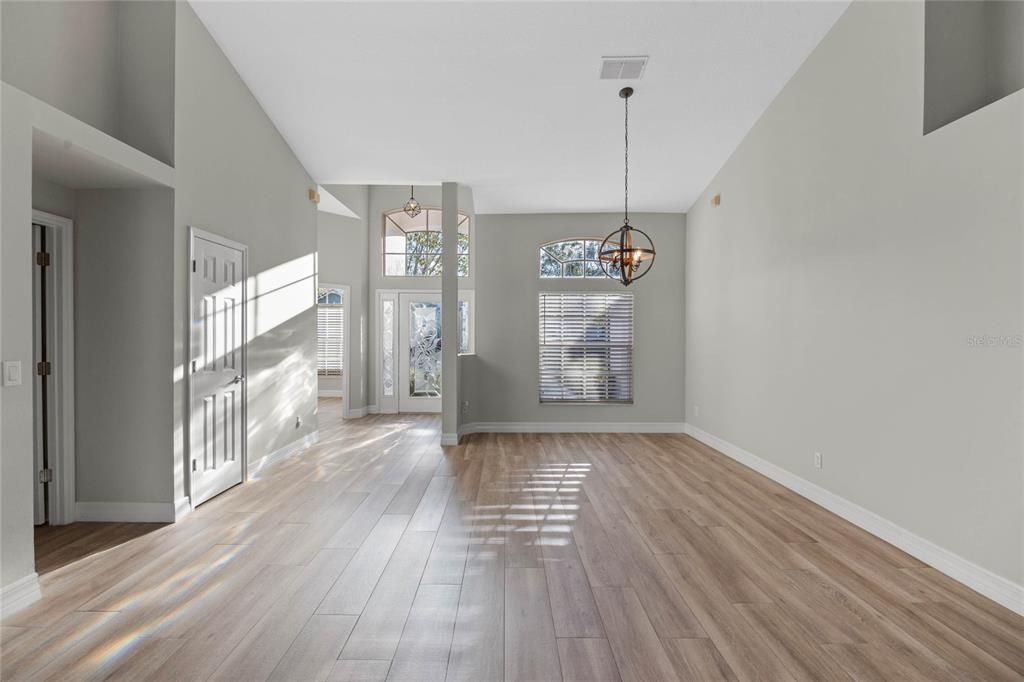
x: 46, y: 475
x: 195, y: 466
x: 43, y: 368
x: 193, y: 366
x: 42, y: 259
x: 193, y: 265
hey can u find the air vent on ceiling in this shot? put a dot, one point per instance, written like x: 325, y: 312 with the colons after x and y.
x: 631, y: 68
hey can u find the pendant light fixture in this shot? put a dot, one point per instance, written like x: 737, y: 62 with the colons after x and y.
x: 412, y: 207
x: 627, y: 254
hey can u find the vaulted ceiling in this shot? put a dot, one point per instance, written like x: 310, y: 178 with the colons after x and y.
x: 505, y: 96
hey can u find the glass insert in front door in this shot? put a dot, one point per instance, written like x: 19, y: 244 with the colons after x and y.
x: 424, y: 349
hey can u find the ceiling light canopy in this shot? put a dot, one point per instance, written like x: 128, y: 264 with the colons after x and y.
x: 627, y: 254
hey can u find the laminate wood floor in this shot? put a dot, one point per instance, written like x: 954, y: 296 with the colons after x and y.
x: 378, y: 555
x: 58, y: 546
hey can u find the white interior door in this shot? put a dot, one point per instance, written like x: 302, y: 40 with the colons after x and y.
x: 419, y: 352
x: 217, y: 422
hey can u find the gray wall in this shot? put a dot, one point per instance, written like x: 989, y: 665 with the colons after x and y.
x: 469, y: 388
x: 52, y: 198
x: 238, y: 178
x: 122, y: 345
x: 145, y: 93
x: 16, y: 462
x: 974, y: 55
x: 65, y: 53
x: 834, y: 299
x: 507, y: 287
x: 109, y: 64
x: 341, y: 259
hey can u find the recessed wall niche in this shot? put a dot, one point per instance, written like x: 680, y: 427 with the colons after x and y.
x: 973, y: 56
x: 109, y: 64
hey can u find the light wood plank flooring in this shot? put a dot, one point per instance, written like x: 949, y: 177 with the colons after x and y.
x: 378, y: 555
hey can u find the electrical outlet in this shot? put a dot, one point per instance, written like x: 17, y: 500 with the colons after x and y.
x: 696, y: 410
x: 817, y: 460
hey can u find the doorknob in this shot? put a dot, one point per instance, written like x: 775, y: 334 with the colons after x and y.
x: 238, y: 379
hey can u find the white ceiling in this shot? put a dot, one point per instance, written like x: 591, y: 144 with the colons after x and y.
x: 505, y: 96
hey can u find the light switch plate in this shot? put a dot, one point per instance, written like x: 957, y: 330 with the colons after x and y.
x: 12, y: 373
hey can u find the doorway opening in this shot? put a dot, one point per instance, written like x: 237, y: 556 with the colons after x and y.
x: 53, y: 370
x: 332, y: 346
x: 410, y: 348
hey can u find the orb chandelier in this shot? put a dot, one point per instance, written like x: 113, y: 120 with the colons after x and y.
x: 627, y: 254
x: 412, y: 207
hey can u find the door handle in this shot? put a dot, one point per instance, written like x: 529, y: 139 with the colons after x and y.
x: 238, y: 379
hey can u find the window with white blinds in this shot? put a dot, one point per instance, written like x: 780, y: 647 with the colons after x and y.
x: 586, y: 347
x: 330, y: 333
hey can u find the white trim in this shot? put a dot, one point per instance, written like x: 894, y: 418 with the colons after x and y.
x: 450, y: 438
x: 19, y: 594
x: 292, y: 448
x: 356, y: 413
x: 62, y: 498
x: 194, y: 233
x: 390, y: 405
x: 182, y: 508
x: 127, y: 512
x: 330, y: 393
x: 346, y: 302
x: 572, y: 427
x: 981, y: 580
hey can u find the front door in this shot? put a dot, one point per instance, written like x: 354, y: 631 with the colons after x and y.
x: 217, y: 422
x: 419, y: 352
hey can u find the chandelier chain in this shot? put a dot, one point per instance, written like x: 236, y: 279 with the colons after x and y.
x: 626, y: 182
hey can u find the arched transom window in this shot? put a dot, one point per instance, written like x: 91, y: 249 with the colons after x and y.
x: 412, y: 246
x: 571, y: 258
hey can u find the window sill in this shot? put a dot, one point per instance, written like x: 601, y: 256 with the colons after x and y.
x: 595, y: 403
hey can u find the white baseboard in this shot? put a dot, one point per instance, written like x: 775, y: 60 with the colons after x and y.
x: 19, y: 594
x: 330, y: 393
x: 127, y: 512
x: 979, y: 579
x: 283, y: 453
x: 372, y: 409
x: 355, y: 413
x: 450, y: 438
x: 572, y: 427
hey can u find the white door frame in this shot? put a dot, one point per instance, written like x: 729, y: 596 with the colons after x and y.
x: 389, y: 404
x: 194, y: 232
x: 346, y: 292
x: 62, y: 432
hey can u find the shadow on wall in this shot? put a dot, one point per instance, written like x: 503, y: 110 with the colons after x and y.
x: 281, y: 354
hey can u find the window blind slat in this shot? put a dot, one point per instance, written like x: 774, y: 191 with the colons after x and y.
x: 330, y: 341
x: 586, y: 347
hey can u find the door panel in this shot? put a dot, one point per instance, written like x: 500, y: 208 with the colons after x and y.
x: 218, y: 347
x: 419, y: 352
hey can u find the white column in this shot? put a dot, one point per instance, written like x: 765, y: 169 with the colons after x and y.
x: 449, y: 312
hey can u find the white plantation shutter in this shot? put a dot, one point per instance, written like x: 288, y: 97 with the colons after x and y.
x: 586, y: 347
x: 330, y: 339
